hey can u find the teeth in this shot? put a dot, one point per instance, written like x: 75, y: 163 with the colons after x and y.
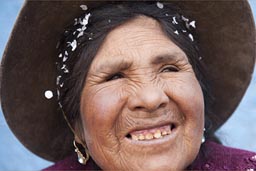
x: 141, y: 137
x: 169, y: 132
x: 164, y: 132
x: 135, y: 137
x: 157, y: 134
x: 151, y: 134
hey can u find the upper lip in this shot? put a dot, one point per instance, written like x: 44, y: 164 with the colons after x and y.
x: 161, y: 118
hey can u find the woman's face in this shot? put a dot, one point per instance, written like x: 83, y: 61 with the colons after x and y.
x: 142, y: 107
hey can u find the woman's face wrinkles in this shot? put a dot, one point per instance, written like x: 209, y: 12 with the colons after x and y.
x: 142, y: 107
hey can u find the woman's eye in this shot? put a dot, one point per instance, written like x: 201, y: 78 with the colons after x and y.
x: 115, y: 77
x: 170, y: 69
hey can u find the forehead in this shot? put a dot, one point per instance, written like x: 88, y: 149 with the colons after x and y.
x: 138, y: 22
x: 138, y: 31
x: 140, y: 37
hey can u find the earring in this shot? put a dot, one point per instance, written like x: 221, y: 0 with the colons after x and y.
x: 81, y: 159
x: 203, y: 138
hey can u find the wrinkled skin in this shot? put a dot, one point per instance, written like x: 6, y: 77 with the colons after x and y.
x: 139, y: 80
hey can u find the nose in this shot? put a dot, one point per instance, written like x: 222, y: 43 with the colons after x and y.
x: 148, y: 98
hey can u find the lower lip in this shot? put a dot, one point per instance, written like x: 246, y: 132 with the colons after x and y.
x: 160, y: 141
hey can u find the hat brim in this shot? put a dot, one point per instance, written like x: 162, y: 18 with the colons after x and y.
x: 227, y: 41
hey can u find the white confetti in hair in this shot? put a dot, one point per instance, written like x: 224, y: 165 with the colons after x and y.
x: 82, y: 24
x: 184, y: 18
x: 60, y: 105
x: 193, y: 24
x: 80, y: 34
x: 65, y: 58
x: 84, y: 7
x: 58, y: 92
x: 191, y: 37
x: 58, y: 80
x: 64, y: 68
x: 73, y: 44
x: 160, y: 5
x: 81, y: 31
x: 76, y: 21
x: 176, y: 32
x: 85, y: 19
x: 174, y: 21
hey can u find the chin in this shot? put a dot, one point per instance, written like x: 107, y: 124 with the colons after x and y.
x: 158, y: 163
x: 161, y: 164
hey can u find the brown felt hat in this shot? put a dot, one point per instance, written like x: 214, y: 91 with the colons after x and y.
x: 227, y: 41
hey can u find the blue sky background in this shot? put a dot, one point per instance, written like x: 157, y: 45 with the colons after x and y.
x: 239, y: 131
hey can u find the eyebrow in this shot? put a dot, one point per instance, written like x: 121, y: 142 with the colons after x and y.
x: 159, y: 59
x: 115, y: 65
x: 122, y: 65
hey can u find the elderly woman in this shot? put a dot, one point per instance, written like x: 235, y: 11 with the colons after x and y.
x: 131, y: 85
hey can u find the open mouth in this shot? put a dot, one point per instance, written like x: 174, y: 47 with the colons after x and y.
x: 151, y: 133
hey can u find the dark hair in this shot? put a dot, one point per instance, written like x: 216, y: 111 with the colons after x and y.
x: 105, y: 18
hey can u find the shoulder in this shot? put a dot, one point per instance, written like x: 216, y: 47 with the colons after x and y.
x: 214, y: 156
x: 71, y: 163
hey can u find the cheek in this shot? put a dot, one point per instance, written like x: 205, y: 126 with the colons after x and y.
x: 187, y: 94
x: 101, y: 107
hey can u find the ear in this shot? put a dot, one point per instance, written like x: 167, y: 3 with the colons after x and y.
x: 79, y: 131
